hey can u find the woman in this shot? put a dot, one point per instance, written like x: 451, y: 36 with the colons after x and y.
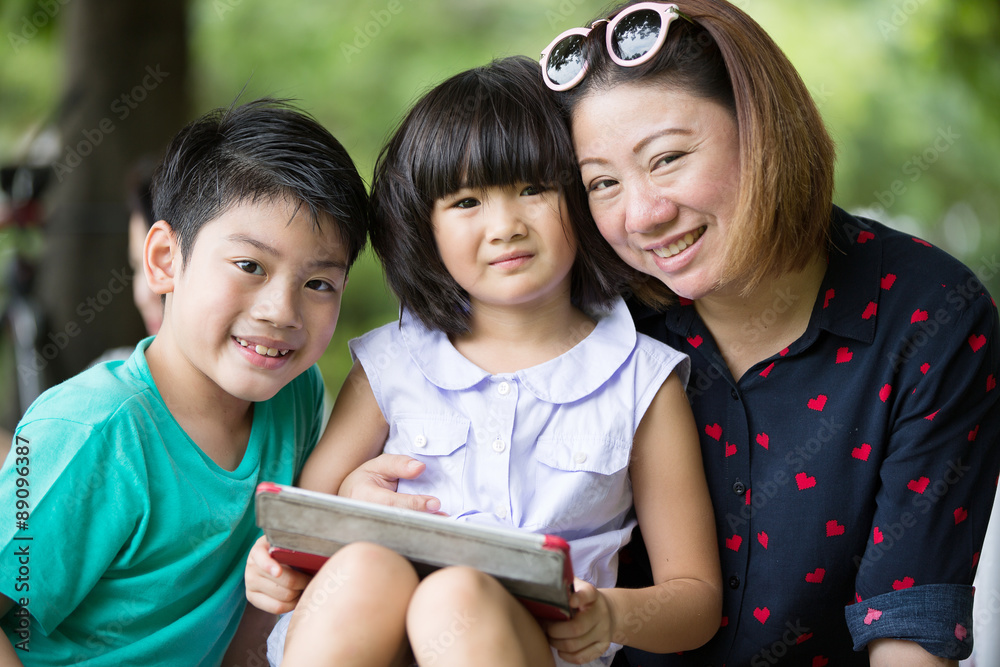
x: 843, y: 374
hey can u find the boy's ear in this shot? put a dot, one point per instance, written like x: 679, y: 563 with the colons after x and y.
x: 161, y: 257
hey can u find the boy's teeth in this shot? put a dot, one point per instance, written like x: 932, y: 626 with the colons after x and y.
x: 679, y: 245
x: 263, y: 350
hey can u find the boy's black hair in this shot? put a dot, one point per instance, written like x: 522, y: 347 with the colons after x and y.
x: 495, y: 125
x: 260, y: 151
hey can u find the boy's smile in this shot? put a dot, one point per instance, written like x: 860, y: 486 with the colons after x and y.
x: 253, y: 306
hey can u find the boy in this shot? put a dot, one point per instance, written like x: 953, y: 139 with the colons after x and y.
x: 133, y: 482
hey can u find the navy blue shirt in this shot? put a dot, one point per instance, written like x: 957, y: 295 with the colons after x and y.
x: 853, y: 473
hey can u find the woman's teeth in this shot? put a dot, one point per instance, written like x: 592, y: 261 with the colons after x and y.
x: 262, y: 350
x: 682, y: 244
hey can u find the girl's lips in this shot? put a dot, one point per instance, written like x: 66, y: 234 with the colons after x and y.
x: 511, y: 261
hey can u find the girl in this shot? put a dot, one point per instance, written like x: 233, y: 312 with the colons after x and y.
x: 515, y: 376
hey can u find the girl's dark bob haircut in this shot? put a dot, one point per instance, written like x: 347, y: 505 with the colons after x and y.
x: 492, y: 126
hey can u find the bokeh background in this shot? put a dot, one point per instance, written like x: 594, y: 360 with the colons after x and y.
x: 910, y: 90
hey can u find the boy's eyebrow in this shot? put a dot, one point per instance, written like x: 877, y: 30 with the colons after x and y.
x: 270, y: 250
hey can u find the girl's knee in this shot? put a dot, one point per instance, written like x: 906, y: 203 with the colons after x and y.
x: 367, y: 560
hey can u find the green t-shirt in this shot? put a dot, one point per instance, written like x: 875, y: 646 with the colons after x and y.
x: 136, y: 540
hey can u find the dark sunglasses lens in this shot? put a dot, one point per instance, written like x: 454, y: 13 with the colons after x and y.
x: 635, y: 34
x: 566, y: 59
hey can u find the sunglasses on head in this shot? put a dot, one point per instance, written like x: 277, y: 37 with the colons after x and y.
x: 632, y: 37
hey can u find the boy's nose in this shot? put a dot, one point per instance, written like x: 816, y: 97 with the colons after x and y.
x: 279, y: 307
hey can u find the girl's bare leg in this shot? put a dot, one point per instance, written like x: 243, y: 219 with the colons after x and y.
x: 460, y: 616
x: 353, y: 612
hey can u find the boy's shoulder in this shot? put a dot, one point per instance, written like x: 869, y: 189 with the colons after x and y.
x: 102, y: 393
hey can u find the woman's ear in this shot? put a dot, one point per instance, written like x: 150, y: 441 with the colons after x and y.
x: 161, y: 257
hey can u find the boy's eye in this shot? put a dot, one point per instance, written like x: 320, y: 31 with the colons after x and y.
x: 250, y: 267
x: 320, y: 286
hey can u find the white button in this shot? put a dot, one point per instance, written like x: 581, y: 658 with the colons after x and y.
x: 503, y: 388
x: 580, y: 457
x: 499, y: 445
x: 501, y: 512
x: 420, y: 441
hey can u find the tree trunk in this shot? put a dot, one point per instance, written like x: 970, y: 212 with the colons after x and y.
x: 125, y: 96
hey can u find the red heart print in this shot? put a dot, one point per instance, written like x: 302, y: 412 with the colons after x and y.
x: 767, y: 371
x: 888, y: 280
x: 884, y: 392
x: 932, y: 415
x: 695, y: 341
x: 918, y: 485
x: 725, y: 622
x: 830, y: 293
x: 733, y: 543
x: 961, y: 632
x: 820, y: 661
x: 864, y: 236
x: 872, y: 616
x: 973, y: 433
x: 844, y: 355
x: 877, y: 536
x: 761, y: 614
x: 976, y: 342
x: 857, y: 597
x: 805, y: 481
x: 763, y: 440
x: 870, y: 311
x: 961, y: 514
x: 833, y: 528
x: 714, y: 431
x: 762, y: 538
x: 924, y: 367
x: 816, y: 576
x: 991, y: 383
x: 975, y: 559
x: 730, y: 449
x: 817, y: 403
x: 804, y: 637
x: 861, y: 453
x: 783, y: 352
x: 918, y: 316
x: 898, y: 585
x: 922, y: 242
x: 684, y: 301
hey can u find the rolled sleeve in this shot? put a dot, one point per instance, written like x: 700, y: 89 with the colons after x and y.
x: 936, y: 616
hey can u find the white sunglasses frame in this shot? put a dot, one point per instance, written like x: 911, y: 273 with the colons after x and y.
x: 667, y: 11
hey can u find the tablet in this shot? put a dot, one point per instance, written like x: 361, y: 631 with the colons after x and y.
x: 304, y: 528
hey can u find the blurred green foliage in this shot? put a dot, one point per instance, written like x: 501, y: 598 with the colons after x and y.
x: 910, y: 90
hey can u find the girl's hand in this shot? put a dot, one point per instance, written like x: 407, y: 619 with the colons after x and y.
x: 375, y: 481
x: 587, y: 635
x: 271, y: 586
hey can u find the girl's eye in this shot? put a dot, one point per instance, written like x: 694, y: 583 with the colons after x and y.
x: 250, y: 267
x: 533, y: 190
x: 320, y: 286
x: 468, y: 202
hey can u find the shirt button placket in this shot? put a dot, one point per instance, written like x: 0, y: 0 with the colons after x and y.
x: 502, y: 407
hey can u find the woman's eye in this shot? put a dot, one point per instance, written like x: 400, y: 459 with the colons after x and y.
x: 666, y: 160
x: 250, y: 267
x: 602, y: 184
